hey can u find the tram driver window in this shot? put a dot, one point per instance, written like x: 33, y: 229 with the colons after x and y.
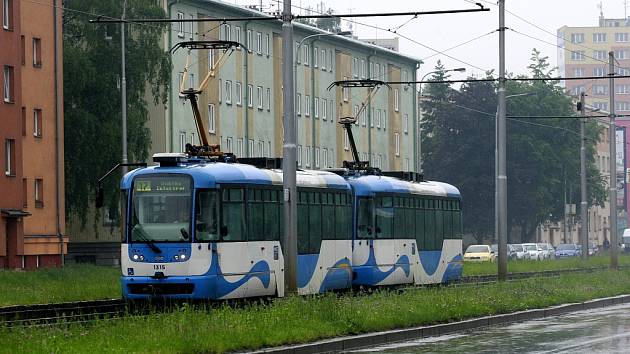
x: 206, y: 216
x: 365, y: 218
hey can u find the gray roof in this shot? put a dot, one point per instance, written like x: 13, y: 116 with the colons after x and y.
x: 307, y: 30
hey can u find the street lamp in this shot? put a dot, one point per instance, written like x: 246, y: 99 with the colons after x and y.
x: 419, y: 152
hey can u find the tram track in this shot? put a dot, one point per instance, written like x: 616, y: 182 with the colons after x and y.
x: 87, y: 311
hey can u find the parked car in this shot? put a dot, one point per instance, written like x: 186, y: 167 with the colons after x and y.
x: 510, y: 251
x: 593, y: 248
x: 551, y: 252
x: 568, y: 250
x: 625, y: 240
x: 519, y: 251
x: 534, y: 250
x: 479, y: 253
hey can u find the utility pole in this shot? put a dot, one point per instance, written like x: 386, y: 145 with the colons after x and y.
x: 501, y: 178
x: 289, y: 158
x: 583, y: 202
x: 123, y: 90
x: 612, y: 196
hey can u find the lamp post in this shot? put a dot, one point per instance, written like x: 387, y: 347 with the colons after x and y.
x: 419, y: 152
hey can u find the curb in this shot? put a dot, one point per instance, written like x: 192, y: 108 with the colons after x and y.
x: 400, y: 335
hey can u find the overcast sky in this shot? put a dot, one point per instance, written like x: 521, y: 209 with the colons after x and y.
x: 441, y: 32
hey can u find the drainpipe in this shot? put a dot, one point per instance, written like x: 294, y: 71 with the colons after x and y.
x: 245, y: 84
x: 57, y: 135
x: 416, y: 136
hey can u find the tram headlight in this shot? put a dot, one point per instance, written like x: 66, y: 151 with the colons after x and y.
x: 135, y: 257
x: 182, y: 256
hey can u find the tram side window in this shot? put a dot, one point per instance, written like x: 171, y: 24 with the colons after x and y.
x: 233, y: 216
x: 255, y: 215
x: 302, y: 223
x: 343, y: 220
x: 124, y: 199
x: 448, y: 220
x: 272, y: 215
x: 439, y: 225
x: 315, y: 221
x: 328, y: 216
x: 429, y: 223
x: 206, y: 216
x: 365, y: 218
x: 419, y: 212
x: 384, y: 217
x: 399, y: 217
x: 410, y: 220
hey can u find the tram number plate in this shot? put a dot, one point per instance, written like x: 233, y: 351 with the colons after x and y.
x: 159, y: 267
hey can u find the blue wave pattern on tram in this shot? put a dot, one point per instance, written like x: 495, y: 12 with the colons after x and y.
x: 224, y: 287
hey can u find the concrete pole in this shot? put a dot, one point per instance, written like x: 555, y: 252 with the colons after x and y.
x: 612, y: 197
x: 289, y: 160
x: 583, y: 202
x: 123, y: 90
x: 501, y: 178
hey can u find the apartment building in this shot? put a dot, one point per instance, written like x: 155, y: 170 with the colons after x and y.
x: 32, y: 222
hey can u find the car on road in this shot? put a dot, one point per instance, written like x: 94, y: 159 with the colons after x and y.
x: 549, y: 251
x: 593, y: 248
x: 479, y: 253
x: 568, y: 250
x: 535, y: 251
x: 511, y: 253
x: 519, y: 251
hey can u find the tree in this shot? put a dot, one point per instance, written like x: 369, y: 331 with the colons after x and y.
x: 543, y: 154
x: 92, y: 57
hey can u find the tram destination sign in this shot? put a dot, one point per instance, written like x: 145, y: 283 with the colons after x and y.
x: 162, y: 184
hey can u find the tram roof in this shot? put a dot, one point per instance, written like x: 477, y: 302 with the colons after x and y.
x: 208, y: 175
x: 369, y: 184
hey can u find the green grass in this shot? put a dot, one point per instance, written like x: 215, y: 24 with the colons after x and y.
x: 72, y: 283
x: 302, y: 319
x: 472, y: 268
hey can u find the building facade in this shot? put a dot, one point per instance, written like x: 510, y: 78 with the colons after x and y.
x: 243, y: 100
x: 32, y: 226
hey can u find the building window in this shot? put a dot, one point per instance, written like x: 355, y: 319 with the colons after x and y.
x: 397, y: 140
x: 239, y: 147
x: 325, y: 157
x: 228, y: 144
x: 346, y: 91
x: 406, y: 123
x: 7, y: 11
x: 180, y: 25
x: 250, y: 95
x: 307, y: 156
x: 39, y: 193
x: 228, y: 91
x: 316, y: 157
x: 622, y: 106
x: 315, y: 57
x: 307, y: 105
x: 323, y: 58
x: 346, y: 140
x: 250, y: 148
x: 363, y: 68
x: 299, y: 155
x: 268, y: 99
x: 259, y: 43
x: 384, y: 121
x: 250, y: 37
x: 316, y: 107
x: 396, y: 99
x: 378, y: 119
x: 599, y: 37
x: 331, y: 108
x: 363, y: 118
x: 267, y: 44
x: 331, y: 157
x: 191, y: 26
x: 600, y: 54
x: 298, y: 104
x: 259, y: 94
x: 330, y: 63
x: 577, y: 90
x: 237, y: 36
x: 261, y: 148
x: 306, y: 52
x: 297, y: 52
x: 621, y: 54
x: 37, y: 123
x: 621, y: 37
x: 9, y: 157
x: 182, y: 141
x: 601, y: 105
x: 227, y: 32
x: 211, y: 59
x: 355, y: 114
x: 37, y: 52
x: 324, y: 106
x: 622, y: 89
x: 577, y: 37
x: 600, y: 89
x: 8, y: 84
x: 577, y: 55
x: 578, y: 72
x: 212, y: 123
x: 239, y: 93
x: 599, y: 71
x: 220, y: 91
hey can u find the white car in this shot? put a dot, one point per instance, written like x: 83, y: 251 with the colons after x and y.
x: 547, y: 250
x: 520, y: 251
x: 535, y: 251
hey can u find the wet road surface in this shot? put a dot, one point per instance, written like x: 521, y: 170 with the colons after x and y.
x: 604, y: 330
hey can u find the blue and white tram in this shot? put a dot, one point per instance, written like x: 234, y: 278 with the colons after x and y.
x: 196, y: 229
x: 405, y: 232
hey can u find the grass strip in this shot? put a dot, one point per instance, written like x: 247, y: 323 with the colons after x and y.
x: 303, y: 319
x: 50, y: 285
x: 517, y: 266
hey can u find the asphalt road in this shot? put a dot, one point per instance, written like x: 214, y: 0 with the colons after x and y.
x: 595, y: 331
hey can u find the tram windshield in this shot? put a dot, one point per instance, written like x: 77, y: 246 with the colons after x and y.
x: 161, y: 209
